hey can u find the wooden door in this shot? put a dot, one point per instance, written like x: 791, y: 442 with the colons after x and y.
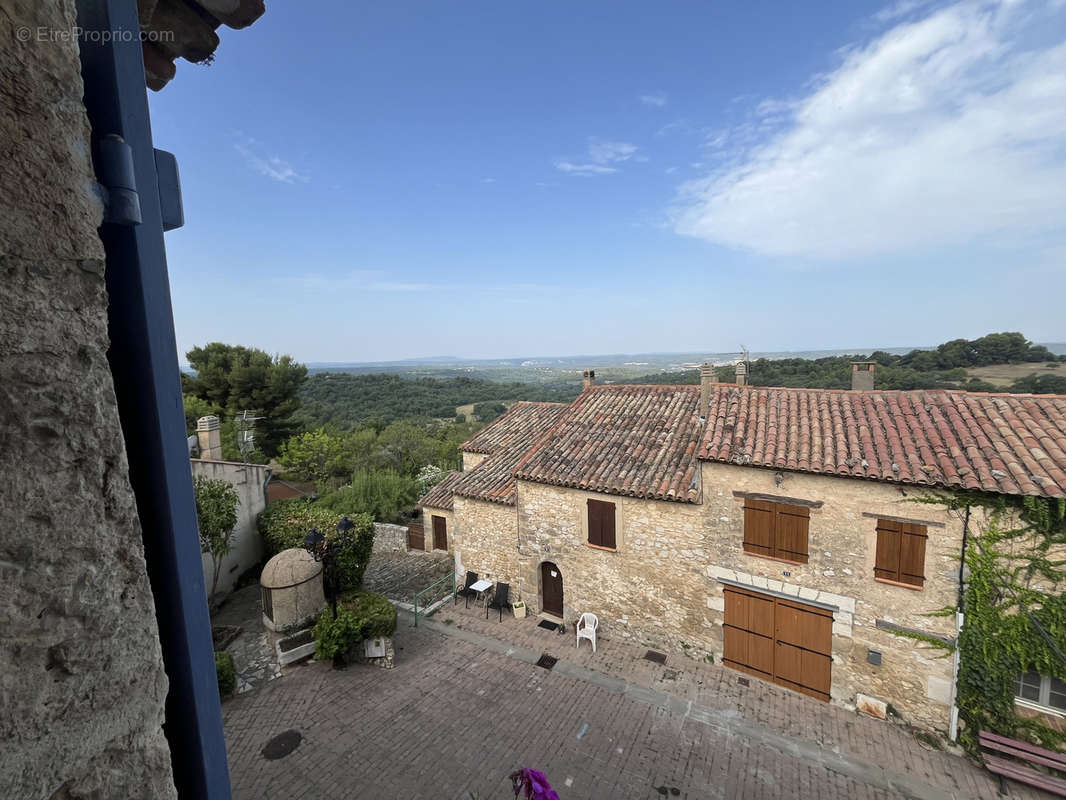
x: 779, y: 640
x: 416, y: 536
x: 440, y: 533
x: 551, y: 583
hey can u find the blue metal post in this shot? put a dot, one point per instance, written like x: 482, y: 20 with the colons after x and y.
x: 144, y: 363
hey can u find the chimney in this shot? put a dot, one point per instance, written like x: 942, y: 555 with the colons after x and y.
x: 862, y: 376
x: 707, y: 381
x: 209, y: 432
x: 588, y: 377
x: 742, y: 373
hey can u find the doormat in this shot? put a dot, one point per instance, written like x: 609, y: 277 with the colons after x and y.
x: 281, y: 745
x: 546, y: 661
x: 658, y: 658
x: 548, y: 625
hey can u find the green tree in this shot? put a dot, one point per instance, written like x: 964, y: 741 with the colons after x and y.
x: 216, y: 513
x: 314, y: 456
x: 405, y: 447
x: 235, y: 379
x: 195, y: 408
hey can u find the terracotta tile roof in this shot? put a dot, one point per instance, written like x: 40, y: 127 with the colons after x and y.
x: 638, y: 441
x: 512, y: 427
x: 504, y: 441
x: 1010, y: 444
x: 440, y: 496
x: 521, y: 428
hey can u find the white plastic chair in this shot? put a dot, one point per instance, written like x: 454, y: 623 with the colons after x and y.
x: 586, y: 629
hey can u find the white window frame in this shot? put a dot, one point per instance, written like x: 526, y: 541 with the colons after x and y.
x: 1043, y: 704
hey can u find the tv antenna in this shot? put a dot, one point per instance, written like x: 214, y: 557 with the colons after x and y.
x: 246, y: 432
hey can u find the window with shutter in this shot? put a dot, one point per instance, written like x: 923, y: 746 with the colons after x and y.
x: 900, y: 554
x: 601, y: 524
x: 776, y: 530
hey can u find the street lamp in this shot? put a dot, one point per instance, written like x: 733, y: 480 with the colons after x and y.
x: 318, y: 546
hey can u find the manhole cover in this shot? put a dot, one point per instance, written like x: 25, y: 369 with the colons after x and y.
x: 658, y: 658
x: 281, y: 745
x: 546, y: 661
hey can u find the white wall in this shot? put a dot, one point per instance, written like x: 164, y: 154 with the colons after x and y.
x: 249, y: 480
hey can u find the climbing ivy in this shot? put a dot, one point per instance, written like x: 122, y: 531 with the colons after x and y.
x: 1015, y: 612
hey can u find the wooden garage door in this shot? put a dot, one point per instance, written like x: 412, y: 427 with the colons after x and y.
x: 779, y: 640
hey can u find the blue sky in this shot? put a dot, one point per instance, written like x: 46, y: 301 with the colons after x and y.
x: 379, y: 181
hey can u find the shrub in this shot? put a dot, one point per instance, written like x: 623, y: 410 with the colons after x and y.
x: 285, y: 523
x: 351, y: 551
x: 225, y: 673
x: 216, y: 516
x: 360, y: 615
x: 383, y: 494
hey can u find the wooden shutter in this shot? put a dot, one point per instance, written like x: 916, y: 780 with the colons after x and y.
x: 759, y: 527
x: 912, y: 554
x: 601, y: 523
x: 900, y: 553
x: 791, y: 524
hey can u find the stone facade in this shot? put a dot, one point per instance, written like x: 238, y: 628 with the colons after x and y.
x: 483, y: 539
x: 81, y: 672
x: 913, y: 676
x: 250, y: 482
x: 471, y: 460
x: 662, y: 584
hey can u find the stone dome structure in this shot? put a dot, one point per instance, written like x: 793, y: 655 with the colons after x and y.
x: 291, y: 589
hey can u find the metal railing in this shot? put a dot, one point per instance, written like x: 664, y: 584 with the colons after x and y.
x: 435, y: 592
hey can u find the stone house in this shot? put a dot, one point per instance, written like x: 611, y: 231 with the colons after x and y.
x: 771, y: 529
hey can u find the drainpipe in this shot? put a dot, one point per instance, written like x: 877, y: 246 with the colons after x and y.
x: 953, y: 720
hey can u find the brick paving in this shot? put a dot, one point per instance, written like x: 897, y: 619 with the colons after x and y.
x: 465, y: 706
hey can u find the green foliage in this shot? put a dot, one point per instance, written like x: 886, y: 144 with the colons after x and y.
x: 351, y: 551
x: 942, y: 368
x: 216, y: 514
x: 314, y: 456
x: 347, y: 400
x: 195, y: 408
x: 225, y: 673
x: 235, y: 379
x: 383, y: 494
x: 285, y: 523
x: 360, y: 615
x: 1015, y: 611
x: 1040, y: 384
x: 928, y: 639
x: 487, y: 412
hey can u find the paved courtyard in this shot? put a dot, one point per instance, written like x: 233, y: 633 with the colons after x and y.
x: 466, y: 705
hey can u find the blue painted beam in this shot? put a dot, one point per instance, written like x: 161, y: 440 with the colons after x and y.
x: 144, y: 363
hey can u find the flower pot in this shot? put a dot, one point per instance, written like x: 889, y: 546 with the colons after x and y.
x: 519, y: 609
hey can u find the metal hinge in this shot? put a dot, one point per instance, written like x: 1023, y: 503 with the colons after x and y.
x: 122, y: 203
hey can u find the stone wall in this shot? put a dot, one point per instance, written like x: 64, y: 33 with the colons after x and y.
x: 390, y: 538
x: 661, y: 586
x: 250, y: 482
x: 81, y: 673
x: 652, y: 589
x: 914, y: 677
x: 471, y: 460
x: 484, y: 541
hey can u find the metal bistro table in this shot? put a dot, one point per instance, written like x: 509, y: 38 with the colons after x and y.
x: 481, y: 587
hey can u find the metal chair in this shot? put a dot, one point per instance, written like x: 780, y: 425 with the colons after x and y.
x: 501, y: 599
x: 586, y: 629
x: 465, y: 590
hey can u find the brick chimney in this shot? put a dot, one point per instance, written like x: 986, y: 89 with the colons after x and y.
x: 742, y: 373
x: 862, y: 376
x: 209, y: 432
x: 707, y: 381
x: 588, y: 378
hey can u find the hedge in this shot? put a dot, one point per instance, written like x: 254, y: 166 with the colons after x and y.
x: 360, y: 615
x: 225, y: 673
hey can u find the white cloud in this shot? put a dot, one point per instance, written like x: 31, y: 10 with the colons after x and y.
x: 944, y: 130
x: 658, y: 99
x: 272, y: 167
x: 601, y: 157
